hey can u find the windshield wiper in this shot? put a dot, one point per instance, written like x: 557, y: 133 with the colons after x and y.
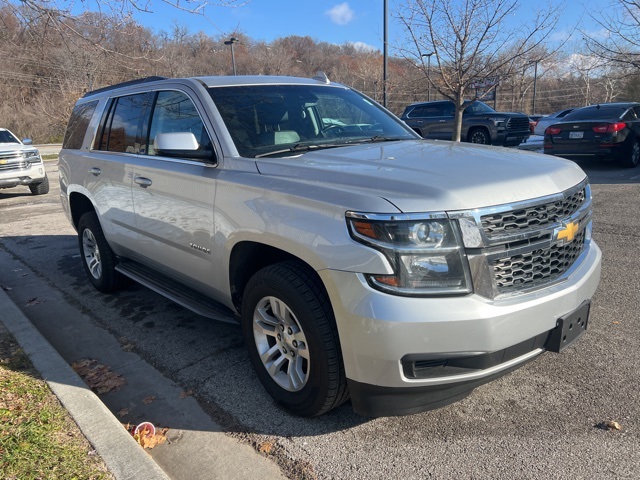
x: 300, y: 147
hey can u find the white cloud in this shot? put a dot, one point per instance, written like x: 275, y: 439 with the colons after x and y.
x: 363, y: 47
x: 341, y: 14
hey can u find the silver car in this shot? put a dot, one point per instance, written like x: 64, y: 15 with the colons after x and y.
x: 549, y: 120
x: 360, y: 260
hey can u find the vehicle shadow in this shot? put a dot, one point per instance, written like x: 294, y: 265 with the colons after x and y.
x: 185, y: 357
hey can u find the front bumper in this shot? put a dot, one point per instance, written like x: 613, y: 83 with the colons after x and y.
x: 511, y: 139
x: 33, y: 174
x: 377, y: 331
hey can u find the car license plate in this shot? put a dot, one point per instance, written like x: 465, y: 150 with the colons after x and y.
x: 569, y: 328
x: 576, y: 135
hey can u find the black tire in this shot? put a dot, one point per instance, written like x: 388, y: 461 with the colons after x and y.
x: 301, y: 301
x: 98, y: 259
x: 632, y: 158
x: 41, y: 188
x: 479, y: 135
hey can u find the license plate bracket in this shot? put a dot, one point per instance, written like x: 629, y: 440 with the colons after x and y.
x: 576, y: 135
x: 569, y: 328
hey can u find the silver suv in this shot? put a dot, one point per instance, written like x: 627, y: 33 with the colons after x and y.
x: 21, y: 164
x: 360, y: 260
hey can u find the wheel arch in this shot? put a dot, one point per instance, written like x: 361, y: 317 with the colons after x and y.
x: 79, y: 204
x: 248, y: 257
x: 474, y: 128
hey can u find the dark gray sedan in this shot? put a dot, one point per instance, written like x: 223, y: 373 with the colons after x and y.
x: 605, y: 130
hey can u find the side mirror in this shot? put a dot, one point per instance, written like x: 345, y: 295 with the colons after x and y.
x: 27, y: 141
x: 181, y: 145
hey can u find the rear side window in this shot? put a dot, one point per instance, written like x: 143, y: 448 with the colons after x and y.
x: 125, y: 123
x: 427, y: 111
x: 78, y: 124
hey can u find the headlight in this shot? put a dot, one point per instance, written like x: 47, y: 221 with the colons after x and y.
x: 32, y: 156
x: 499, y: 121
x: 426, y: 254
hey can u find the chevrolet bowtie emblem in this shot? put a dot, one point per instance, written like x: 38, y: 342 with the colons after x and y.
x: 568, y: 232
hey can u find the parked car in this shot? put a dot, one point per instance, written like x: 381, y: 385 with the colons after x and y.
x: 533, y: 121
x: 480, y: 123
x: 360, y: 260
x: 605, y: 130
x: 21, y: 164
x: 544, y: 122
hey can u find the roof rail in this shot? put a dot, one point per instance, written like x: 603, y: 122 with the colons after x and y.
x: 124, y: 84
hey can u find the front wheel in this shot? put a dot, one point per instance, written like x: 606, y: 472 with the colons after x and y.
x: 41, y: 188
x: 98, y: 259
x: 291, y: 336
x: 479, y: 135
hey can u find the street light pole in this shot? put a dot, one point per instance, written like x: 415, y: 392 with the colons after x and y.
x: 231, y: 41
x: 428, y: 55
x: 535, y: 79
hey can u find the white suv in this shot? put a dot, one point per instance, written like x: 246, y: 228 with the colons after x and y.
x: 21, y: 164
x: 360, y: 260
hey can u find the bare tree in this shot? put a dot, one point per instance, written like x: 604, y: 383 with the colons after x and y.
x: 621, y: 43
x: 470, y: 41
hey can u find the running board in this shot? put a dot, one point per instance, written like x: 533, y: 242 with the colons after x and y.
x: 177, y: 292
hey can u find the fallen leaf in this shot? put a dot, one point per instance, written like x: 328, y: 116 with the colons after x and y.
x: 184, y: 394
x: 123, y: 412
x: 147, y: 439
x: 266, y: 447
x: 99, y: 377
x: 147, y: 400
x: 616, y: 323
x: 609, y: 425
x: 34, y: 301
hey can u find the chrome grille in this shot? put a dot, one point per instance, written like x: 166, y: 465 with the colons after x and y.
x: 10, y: 155
x: 533, y: 217
x: 536, y: 267
x: 14, y: 166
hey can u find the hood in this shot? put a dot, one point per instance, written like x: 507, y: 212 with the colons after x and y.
x: 423, y: 175
x: 15, y: 147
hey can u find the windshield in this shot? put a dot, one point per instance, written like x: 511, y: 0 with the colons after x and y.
x: 284, y: 119
x: 478, y: 107
x: 7, y: 137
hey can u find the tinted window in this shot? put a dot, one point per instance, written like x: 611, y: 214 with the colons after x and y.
x: 78, y: 124
x: 7, y: 137
x: 175, y: 112
x: 478, y: 107
x: 125, y: 124
x: 596, y: 113
x: 427, y: 111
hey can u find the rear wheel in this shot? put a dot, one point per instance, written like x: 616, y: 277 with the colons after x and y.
x: 98, y: 259
x: 290, y: 332
x: 479, y: 135
x: 41, y: 188
x: 632, y: 159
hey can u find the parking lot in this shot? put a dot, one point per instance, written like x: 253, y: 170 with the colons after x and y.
x: 542, y: 421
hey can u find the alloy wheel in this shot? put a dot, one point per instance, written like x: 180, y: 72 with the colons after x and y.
x: 91, y: 253
x: 281, y: 344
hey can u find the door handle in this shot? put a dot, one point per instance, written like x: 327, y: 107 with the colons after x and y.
x: 442, y: 121
x: 95, y: 171
x: 142, y: 181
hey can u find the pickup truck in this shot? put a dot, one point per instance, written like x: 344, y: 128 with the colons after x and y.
x: 480, y: 123
x: 360, y: 260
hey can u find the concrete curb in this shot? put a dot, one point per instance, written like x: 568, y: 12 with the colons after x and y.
x: 122, y: 455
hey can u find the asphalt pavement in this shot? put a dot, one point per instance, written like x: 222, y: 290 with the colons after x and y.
x: 538, y: 422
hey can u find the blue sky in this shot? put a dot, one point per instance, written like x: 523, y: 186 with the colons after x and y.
x: 334, y: 21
